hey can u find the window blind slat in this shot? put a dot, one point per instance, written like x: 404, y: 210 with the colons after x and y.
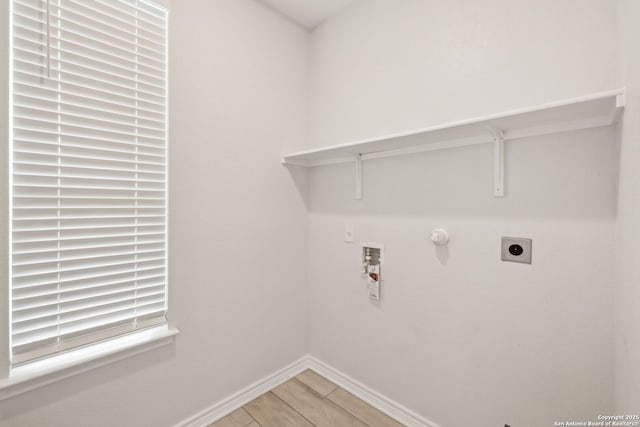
x: 113, y: 49
x: 26, y: 296
x: 89, y: 164
x: 69, y: 323
x: 41, y: 284
x: 69, y: 267
x: 68, y: 107
x: 114, y: 14
x: 143, y: 13
x: 78, y: 307
x: 71, y: 299
x: 27, y: 84
x: 51, y: 125
x: 99, y: 164
x: 122, y: 60
x: 45, y: 108
x: 71, y: 71
x: 70, y: 218
x: 75, y: 254
x: 41, y: 130
x: 105, y: 155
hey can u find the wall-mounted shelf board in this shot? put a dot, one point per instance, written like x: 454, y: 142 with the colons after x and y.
x: 585, y: 112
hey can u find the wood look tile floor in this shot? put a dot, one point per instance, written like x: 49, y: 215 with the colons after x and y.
x: 305, y: 401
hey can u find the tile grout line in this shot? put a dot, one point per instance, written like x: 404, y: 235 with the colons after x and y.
x: 348, y: 410
x: 294, y: 409
x: 251, y: 416
x: 331, y: 392
x: 336, y: 386
x: 327, y: 397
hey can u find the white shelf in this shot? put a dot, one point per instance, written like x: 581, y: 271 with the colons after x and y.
x: 591, y: 111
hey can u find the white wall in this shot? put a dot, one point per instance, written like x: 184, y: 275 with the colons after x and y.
x: 386, y: 66
x: 627, y: 376
x: 459, y: 336
x: 237, y: 227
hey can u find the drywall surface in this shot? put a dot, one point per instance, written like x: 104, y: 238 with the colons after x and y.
x: 627, y: 267
x: 382, y: 67
x: 237, y: 228
x: 459, y: 336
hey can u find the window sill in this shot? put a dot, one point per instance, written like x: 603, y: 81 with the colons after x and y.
x: 47, y: 371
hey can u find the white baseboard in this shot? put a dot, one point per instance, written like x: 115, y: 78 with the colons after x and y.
x: 226, y: 406
x: 382, y: 403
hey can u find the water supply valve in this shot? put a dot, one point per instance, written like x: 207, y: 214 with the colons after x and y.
x: 372, y: 268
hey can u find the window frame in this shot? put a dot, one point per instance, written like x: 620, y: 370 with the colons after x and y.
x: 5, y: 58
x: 37, y: 373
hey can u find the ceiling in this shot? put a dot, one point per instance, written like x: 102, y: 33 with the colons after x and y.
x: 308, y: 13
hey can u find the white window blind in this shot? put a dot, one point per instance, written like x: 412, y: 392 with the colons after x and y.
x: 89, y: 172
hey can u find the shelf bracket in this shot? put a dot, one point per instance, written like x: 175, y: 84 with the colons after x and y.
x: 358, y: 170
x: 617, y: 110
x: 498, y: 162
